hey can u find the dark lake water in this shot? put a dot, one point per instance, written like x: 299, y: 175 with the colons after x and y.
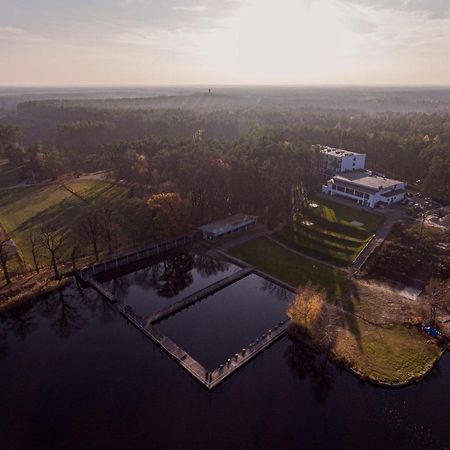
x: 148, y: 289
x: 75, y: 375
x: 222, y: 324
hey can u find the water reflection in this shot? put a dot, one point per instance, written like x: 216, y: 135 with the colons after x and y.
x: 167, y: 277
x: 276, y: 290
x: 65, y: 310
x: 309, y: 364
x: 207, y: 266
x: 3, y: 344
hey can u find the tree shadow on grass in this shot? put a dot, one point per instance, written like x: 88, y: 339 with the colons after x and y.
x: 348, y: 304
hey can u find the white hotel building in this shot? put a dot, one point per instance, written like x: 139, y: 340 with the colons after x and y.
x: 350, y: 180
x: 335, y: 160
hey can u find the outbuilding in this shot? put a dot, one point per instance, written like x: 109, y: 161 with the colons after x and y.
x: 223, y: 227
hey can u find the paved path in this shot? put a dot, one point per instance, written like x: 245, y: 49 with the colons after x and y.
x: 378, y: 239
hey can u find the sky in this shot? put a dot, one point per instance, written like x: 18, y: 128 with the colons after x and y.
x: 218, y: 42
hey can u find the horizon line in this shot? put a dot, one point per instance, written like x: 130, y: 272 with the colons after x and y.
x: 225, y: 85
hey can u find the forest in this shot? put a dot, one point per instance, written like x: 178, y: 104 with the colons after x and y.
x: 54, y: 137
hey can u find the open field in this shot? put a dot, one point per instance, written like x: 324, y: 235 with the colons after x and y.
x: 324, y: 229
x: 23, y: 210
x: 290, y: 267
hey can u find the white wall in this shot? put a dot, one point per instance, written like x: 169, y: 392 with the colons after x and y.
x: 373, y: 198
x: 353, y: 162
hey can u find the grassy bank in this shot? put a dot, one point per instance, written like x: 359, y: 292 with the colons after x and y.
x: 31, y: 291
x: 373, y: 337
x: 376, y: 337
x: 23, y: 210
x: 392, y: 355
x: 290, y: 267
x: 330, y: 231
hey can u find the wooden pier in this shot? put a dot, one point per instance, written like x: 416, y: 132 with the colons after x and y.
x: 195, y: 297
x: 102, y: 290
x: 154, y: 249
x: 246, y: 354
x: 176, y: 352
x: 208, y: 379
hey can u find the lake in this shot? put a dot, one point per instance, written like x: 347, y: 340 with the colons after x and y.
x: 75, y: 375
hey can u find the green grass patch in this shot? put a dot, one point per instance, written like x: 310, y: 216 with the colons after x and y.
x: 330, y: 234
x: 335, y: 213
x: 269, y: 257
x: 388, y: 355
x: 10, y: 175
x: 23, y: 210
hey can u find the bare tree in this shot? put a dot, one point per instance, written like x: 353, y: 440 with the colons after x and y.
x: 4, y: 255
x: 75, y: 247
x: 34, y: 247
x: 108, y: 224
x: 434, y: 294
x: 53, y: 240
x: 91, y: 228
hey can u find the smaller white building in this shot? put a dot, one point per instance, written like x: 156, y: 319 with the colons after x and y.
x: 231, y: 224
x: 335, y: 160
x: 365, y: 188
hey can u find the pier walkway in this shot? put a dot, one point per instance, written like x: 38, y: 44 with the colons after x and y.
x: 103, y: 291
x: 195, y: 297
x: 208, y: 379
x: 137, y: 255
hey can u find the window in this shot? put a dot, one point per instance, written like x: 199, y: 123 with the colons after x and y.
x: 340, y: 189
x: 366, y: 196
x: 350, y: 191
x: 333, y: 186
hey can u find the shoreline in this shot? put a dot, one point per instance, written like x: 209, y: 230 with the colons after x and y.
x: 34, y: 292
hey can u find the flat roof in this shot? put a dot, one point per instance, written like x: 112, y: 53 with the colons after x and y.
x: 367, y: 179
x: 229, y: 223
x: 337, y: 151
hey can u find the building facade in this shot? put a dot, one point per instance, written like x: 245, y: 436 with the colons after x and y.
x: 335, y: 160
x: 365, y: 188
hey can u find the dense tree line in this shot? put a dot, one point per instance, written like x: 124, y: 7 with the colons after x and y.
x: 414, y: 147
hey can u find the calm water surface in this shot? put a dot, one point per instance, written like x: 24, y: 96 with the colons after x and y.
x: 157, y: 286
x: 75, y: 375
x: 222, y: 324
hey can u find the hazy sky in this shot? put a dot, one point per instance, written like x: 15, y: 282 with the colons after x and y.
x: 46, y: 42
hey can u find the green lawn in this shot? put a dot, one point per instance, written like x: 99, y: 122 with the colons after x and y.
x: 327, y: 231
x: 25, y: 209
x: 290, y: 267
x: 389, y: 355
x: 9, y: 175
